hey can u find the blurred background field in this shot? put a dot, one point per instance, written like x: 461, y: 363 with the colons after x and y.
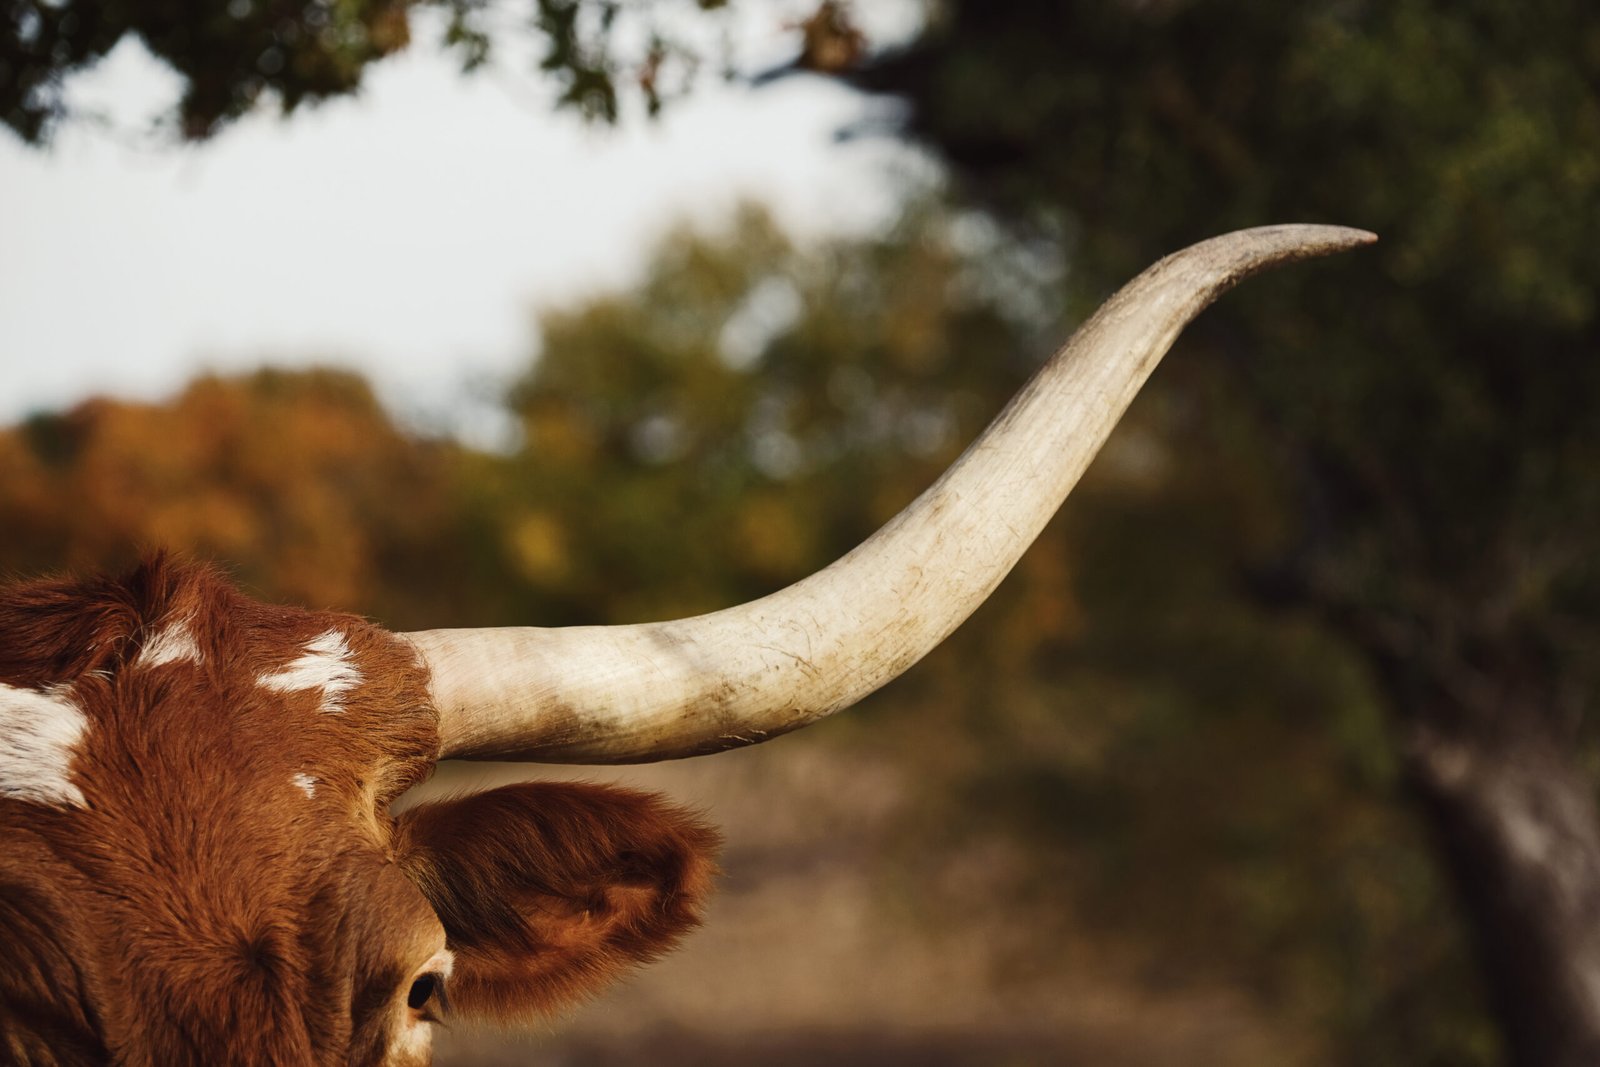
x: 1166, y: 799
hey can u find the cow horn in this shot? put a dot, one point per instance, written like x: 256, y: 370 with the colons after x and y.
x: 633, y: 694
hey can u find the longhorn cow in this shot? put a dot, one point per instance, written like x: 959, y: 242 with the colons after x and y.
x: 198, y: 862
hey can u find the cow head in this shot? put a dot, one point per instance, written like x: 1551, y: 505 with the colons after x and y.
x: 198, y: 864
x: 198, y: 861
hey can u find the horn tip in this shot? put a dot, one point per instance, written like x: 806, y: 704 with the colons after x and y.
x: 1312, y: 239
x: 1242, y: 253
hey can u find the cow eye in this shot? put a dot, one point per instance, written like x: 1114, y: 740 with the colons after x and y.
x: 428, y: 997
x: 422, y: 991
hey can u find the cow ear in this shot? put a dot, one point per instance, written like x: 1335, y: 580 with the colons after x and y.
x: 549, y: 891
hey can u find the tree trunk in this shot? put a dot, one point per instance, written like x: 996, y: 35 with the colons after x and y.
x: 1517, y: 825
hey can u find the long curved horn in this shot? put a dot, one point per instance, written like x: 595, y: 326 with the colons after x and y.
x: 633, y: 694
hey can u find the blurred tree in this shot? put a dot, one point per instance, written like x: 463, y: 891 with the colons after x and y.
x: 298, y: 482
x: 731, y: 392
x: 235, y: 56
x: 1429, y: 413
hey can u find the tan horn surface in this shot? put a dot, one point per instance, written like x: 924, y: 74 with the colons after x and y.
x: 625, y: 694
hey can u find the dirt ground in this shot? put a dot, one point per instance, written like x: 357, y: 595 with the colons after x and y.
x: 817, y: 951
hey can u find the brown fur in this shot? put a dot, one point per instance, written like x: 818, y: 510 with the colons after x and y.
x: 200, y: 909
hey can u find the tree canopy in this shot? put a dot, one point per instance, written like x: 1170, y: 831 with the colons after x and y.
x: 237, y: 56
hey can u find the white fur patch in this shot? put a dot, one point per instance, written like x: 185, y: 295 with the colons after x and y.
x: 305, y: 783
x: 413, y: 1040
x: 442, y: 964
x: 327, y: 664
x: 39, y: 735
x: 172, y: 643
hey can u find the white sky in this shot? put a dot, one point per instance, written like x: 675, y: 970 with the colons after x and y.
x: 407, y: 233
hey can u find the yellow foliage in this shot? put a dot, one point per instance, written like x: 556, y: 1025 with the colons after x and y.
x: 291, y: 479
x: 537, y: 544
